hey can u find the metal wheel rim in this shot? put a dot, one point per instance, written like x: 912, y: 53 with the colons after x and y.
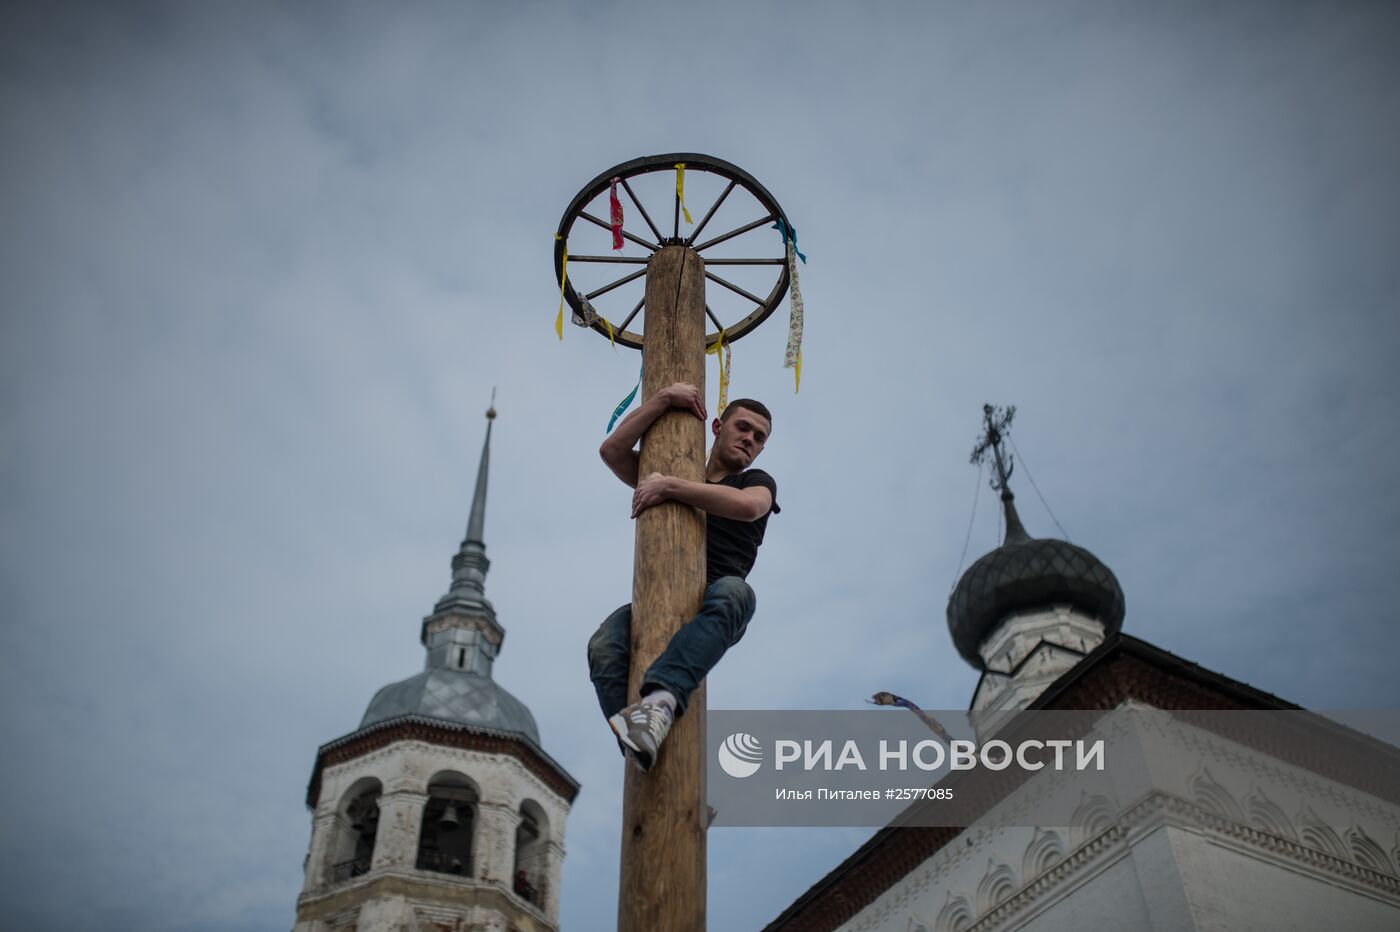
x: 693, y: 162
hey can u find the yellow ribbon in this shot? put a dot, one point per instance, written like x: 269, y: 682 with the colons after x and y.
x: 609, y: 325
x: 724, y: 356
x: 563, y: 277
x: 797, y: 374
x: 680, y: 190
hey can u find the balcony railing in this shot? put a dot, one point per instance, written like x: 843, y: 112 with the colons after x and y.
x: 348, y: 869
x: 431, y: 860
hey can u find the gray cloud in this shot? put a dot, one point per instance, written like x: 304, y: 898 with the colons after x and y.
x: 263, y: 266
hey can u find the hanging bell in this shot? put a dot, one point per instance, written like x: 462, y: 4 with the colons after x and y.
x: 364, y: 813
x: 449, y: 820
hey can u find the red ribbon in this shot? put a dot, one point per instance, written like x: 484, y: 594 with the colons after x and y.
x: 616, y: 206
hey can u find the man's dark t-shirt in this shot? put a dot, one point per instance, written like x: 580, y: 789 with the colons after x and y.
x: 732, y: 546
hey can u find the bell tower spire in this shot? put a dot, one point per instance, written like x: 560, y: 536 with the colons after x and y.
x: 462, y: 632
x: 477, y: 522
x: 469, y: 566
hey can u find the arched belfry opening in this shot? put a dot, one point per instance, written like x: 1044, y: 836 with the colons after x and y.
x: 356, y: 825
x: 446, y: 841
x: 531, y: 852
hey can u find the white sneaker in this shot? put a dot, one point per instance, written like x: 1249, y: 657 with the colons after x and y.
x: 641, y: 727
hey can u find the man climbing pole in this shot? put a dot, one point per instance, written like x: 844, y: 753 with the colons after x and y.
x: 737, y: 501
x: 690, y: 602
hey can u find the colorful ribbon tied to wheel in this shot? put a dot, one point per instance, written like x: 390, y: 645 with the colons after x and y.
x: 792, y: 356
x: 722, y: 352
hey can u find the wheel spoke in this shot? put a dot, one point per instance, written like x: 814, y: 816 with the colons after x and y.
x: 676, y: 229
x: 733, y: 261
x: 619, y: 283
x: 622, y: 260
x: 623, y: 325
x: 607, y: 226
x: 628, y: 188
x: 731, y: 286
x: 733, y: 233
x: 711, y: 314
x: 713, y: 207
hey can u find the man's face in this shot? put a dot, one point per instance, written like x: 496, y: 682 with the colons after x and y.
x: 739, y: 438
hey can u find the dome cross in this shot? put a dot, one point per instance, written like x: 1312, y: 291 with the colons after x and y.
x: 997, y: 422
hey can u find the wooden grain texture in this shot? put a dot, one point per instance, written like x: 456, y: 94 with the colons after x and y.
x: 663, y: 812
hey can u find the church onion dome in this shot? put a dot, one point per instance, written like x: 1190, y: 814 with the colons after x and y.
x: 1025, y: 573
x: 454, y: 696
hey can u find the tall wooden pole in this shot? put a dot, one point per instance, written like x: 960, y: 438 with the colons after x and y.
x: 663, y: 812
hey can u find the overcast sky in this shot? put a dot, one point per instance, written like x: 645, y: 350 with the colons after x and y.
x: 261, y: 267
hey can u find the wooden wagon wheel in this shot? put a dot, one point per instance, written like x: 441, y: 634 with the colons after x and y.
x: 595, y: 274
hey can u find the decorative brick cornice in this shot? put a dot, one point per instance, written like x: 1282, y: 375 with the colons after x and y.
x: 415, y: 728
x: 1088, y: 853
x: 1158, y: 808
x: 1349, y: 873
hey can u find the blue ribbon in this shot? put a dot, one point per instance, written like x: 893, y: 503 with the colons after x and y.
x: 787, y: 234
x: 625, y: 403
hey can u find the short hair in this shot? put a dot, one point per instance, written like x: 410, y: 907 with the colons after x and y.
x: 757, y: 407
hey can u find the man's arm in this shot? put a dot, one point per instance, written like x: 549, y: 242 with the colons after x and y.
x: 720, y: 500
x: 617, y: 450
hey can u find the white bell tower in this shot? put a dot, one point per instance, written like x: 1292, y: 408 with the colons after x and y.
x: 441, y: 811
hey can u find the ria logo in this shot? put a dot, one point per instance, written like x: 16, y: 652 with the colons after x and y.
x: 740, y: 755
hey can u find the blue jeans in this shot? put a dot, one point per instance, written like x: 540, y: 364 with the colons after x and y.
x: 693, y: 651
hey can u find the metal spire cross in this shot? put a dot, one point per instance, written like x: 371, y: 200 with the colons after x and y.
x: 998, y: 421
